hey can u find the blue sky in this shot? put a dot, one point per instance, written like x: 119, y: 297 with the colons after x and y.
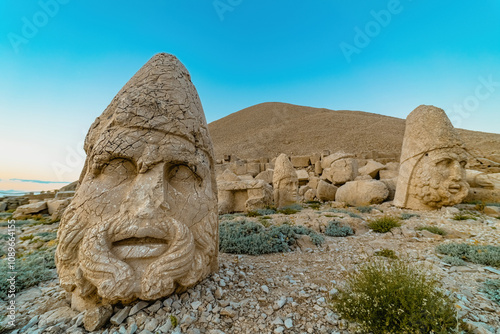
x: 62, y: 61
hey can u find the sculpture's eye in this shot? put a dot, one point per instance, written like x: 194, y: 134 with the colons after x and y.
x: 182, y: 178
x: 119, y: 167
x: 444, y: 163
x: 463, y: 163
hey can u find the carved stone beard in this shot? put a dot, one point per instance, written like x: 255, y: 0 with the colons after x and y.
x: 433, y: 190
x: 182, y: 264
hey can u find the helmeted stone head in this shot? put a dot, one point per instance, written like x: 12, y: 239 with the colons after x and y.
x: 143, y: 222
x: 285, y: 182
x: 433, y: 159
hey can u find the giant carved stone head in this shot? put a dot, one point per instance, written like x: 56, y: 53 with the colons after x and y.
x: 143, y: 222
x: 433, y: 158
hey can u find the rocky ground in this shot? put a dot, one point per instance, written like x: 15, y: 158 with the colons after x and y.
x: 284, y: 292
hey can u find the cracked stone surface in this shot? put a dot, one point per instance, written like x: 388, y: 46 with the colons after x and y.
x: 285, y: 182
x: 143, y: 222
x: 433, y: 159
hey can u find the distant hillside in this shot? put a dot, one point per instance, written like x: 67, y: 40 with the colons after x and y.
x: 267, y: 129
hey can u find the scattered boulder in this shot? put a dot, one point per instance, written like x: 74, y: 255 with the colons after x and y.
x: 3, y: 206
x: 310, y: 195
x: 341, y: 171
x: 30, y: 209
x: 97, y: 317
x: 371, y: 168
x: 326, y: 191
x: 388, y: 174
x: 302, y: 176
x: 363, y: 192
x: 243, y: 195
x: 301, y: 161
x: 266, y: 176
x: 327, y: 161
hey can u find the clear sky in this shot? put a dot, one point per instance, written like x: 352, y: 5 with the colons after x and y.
x: 62, y: 61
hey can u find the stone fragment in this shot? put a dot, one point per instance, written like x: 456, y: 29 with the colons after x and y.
x: 341, y: 171
x: 60, y: 314
x: 266, y: 176
x: 372, y: 168
x: 302, y: 176
x: 97, y: 317
x: 310, y: 195
x: 243, y: 195
x: 120, y: 316
x: 137, y: 307
x: 30, y: 209
x: 3, y: 206
x: 326, y: 191
x: 388, y: 174
x: 285, y: 182
x: 143, y: 222
x: 301, y: 161
x: 327, y: 161
x: 433, y: 159
x: 363, y: 192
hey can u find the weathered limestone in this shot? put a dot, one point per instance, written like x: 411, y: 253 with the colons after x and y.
x: 362, y: 192
x: 239, y: 195
x: 341, y: 171
x: 266, y: 176
x: 300, y: 161
x: 302, y: 176
x: 143, y: 222
x: 326, y: 191
x: 30, y: 209
x: 433, y: 158
x: 285, y: 182
x: 371, y: 168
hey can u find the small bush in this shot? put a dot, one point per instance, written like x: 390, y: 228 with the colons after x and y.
x: 388, y: 253
x: 248, y: 237
x: 462, y: 216
x: 347, y: 212
x: 487, y: 255
x: 266, y: 212
x: 406, y: 216
x: 453, y: 260
x: 333, y: 229
x: 253, y: 214
x: 364, y: 209
x: 31, y: 269
x: 384, y: 224
x: 290, y: 209
x: 492, y: 289
x: 432, y: 229
x: 393, y: 297
x: 479, y: 206
x: 314, y: 206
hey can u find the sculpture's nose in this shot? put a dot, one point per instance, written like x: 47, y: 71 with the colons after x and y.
x: 146, y: 196
x: 456, y: 171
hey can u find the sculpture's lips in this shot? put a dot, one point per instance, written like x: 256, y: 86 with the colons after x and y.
x: 139, y: 248
x: 454, y: 188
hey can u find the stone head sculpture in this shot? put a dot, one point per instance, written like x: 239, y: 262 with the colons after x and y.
x: 143, y: 222
x: 433, y: 159
x: 285, y: 182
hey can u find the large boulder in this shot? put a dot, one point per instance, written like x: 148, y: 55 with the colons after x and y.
x: 30, y: 209
x: 371, y: 168
x: 362, y: 192
x: 326, y: 191
x: 341, y: 171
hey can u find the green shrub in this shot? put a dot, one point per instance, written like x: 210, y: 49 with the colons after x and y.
x: 432, y: 229
x: 253, y: 214
x: 266, y: 212
x: 463, y: 216
x: 230, y: 216
x: 347, y: 212
x: 31, y: 269
x: 384, y: 224
x: 290, y: 209
x: 364, y: 209
x: 314, y: 206
x: 46, y: 236
x: 406, y: 216
x: 393, y: 297
x: 333, y: 229
x: 173, y: 321
x: 492, y: 289
x: 246, y: 237
x: 486, y: 255
x: 388, y: 253
x: 453, y: 260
